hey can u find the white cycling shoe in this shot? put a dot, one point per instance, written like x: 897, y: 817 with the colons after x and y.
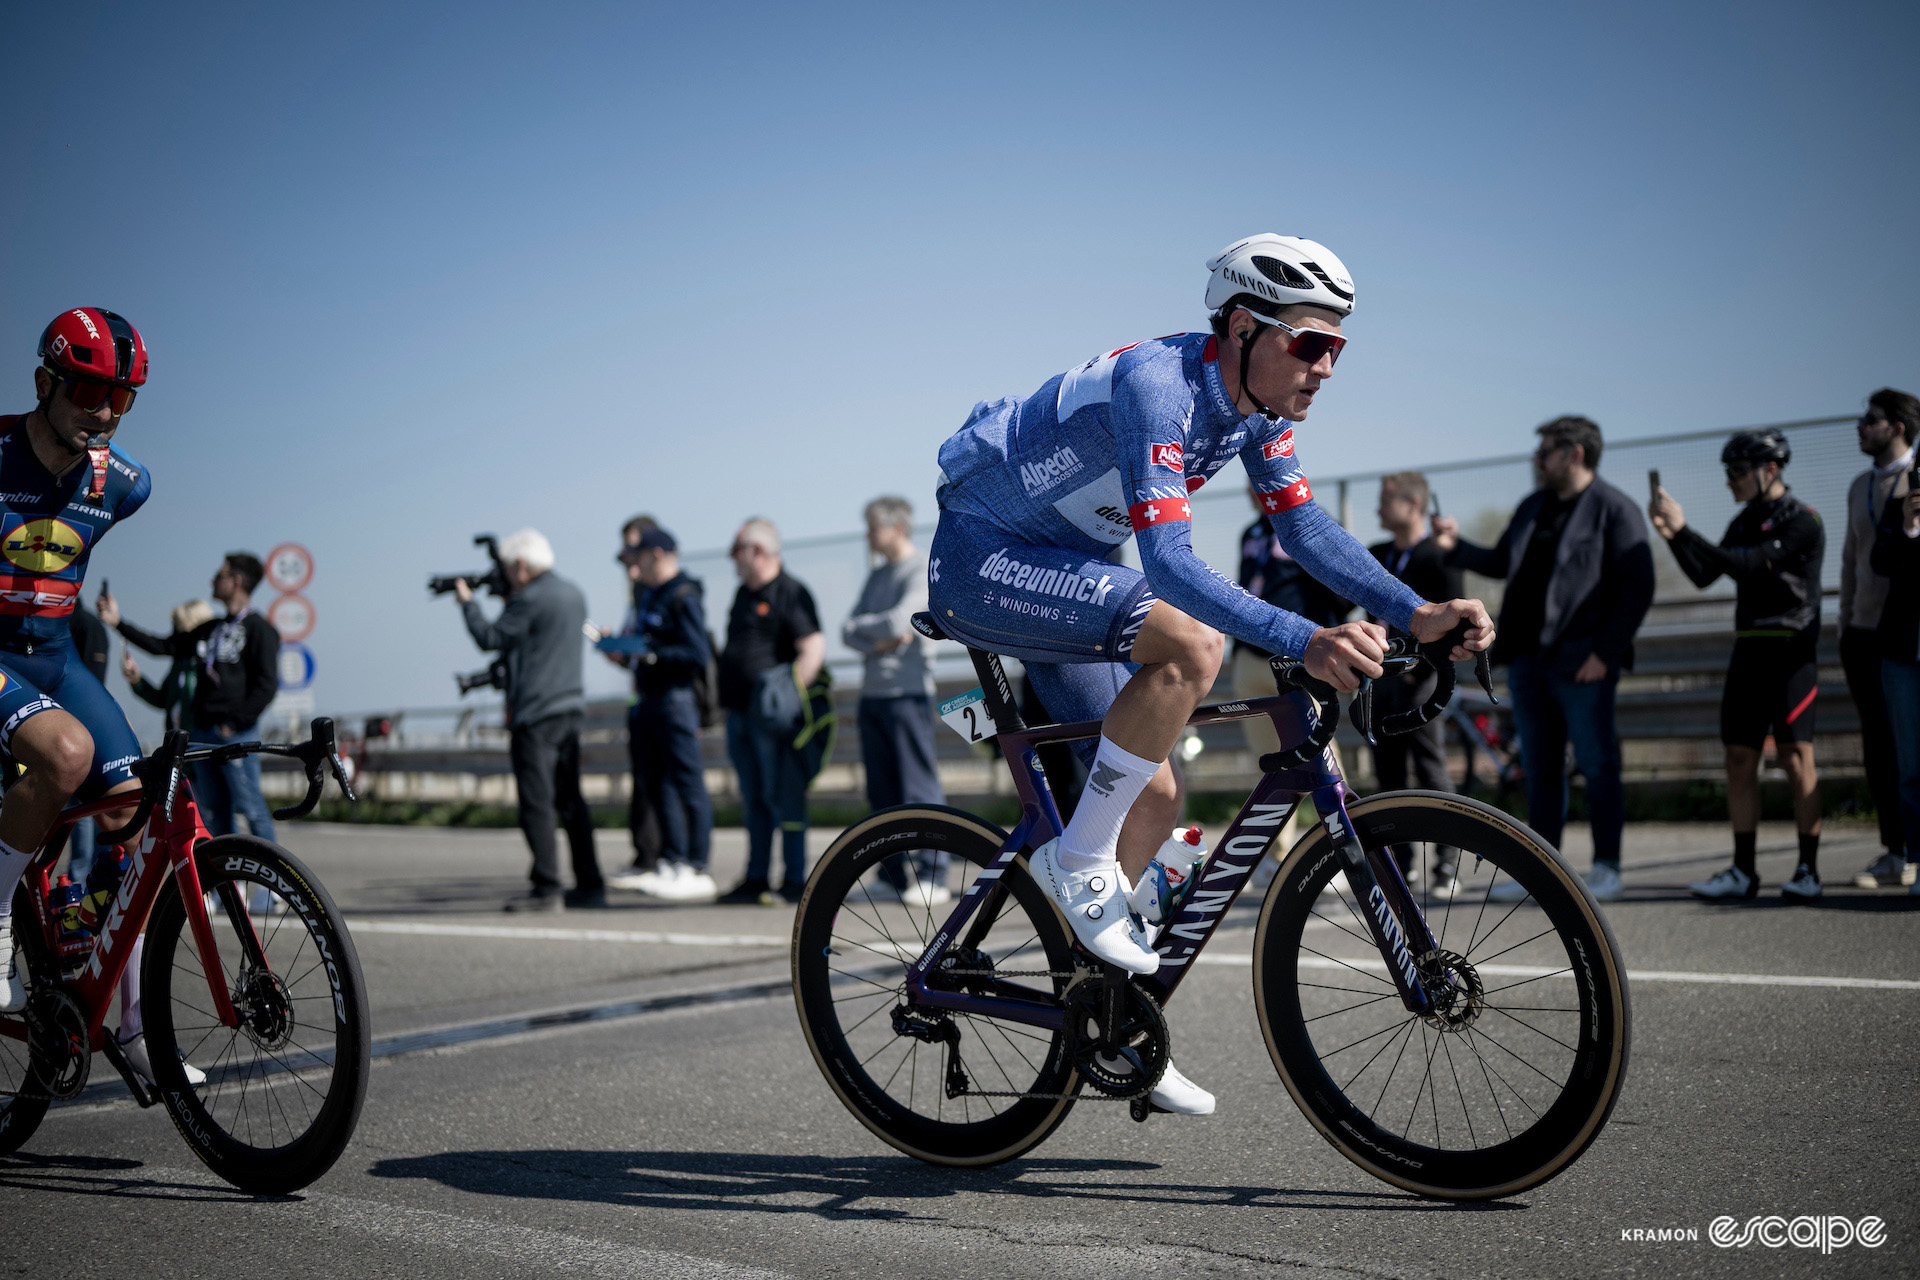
x: 13, y: 983
x: 136, y: 1050
x: 1180, y: 1095
x: 1095, y: 904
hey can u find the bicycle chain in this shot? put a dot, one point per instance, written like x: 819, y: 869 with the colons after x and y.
x: 1092, y: 1095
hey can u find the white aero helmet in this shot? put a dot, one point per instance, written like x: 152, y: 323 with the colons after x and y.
x: 1281, y: 270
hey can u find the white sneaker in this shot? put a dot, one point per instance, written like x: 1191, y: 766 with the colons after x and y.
x: 1888, y: 871
x: 1095, y: 904
x: 1603, y: 882
x: 679, y: 882
x: 13, y: 982
x: 1730, y: 883
x: 926, y: 894
x: 136, y: 1050
x: 647, y: 882
x: 1180, y: 1095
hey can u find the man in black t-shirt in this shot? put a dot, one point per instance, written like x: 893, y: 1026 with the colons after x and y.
x: 774, y: 653
x: 1412, y: 556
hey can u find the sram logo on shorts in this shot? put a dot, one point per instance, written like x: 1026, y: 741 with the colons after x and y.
x: 1170, y: 456
x: 1281, y: 448
x: 42, y: 546
x: 1065, y: 583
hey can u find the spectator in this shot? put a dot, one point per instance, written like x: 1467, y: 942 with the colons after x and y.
x: 643, y: 823
x: 1579, y: 580
x: 774, y: 653
x: 668, y: 649
x: 236, y: 663
x: 1896, y: 557
x: 896, y: 693
x: 173, y: 696
x: 1772, y: 551
x: 1412, y: 556
x: 539, y: 634
x: 91, y: 643
x: 1887, y: 432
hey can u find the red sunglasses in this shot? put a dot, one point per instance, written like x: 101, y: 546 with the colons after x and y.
x: 88, y: 394
x: 1308, y: 345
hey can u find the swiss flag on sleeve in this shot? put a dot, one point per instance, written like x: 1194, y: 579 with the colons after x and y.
x: 1294, y: 495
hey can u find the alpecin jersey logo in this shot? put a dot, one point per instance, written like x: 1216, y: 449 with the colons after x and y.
x: 1281, y: 448
x: 1170, y: 456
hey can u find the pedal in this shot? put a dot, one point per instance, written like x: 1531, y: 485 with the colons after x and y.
x: 135, y: 1085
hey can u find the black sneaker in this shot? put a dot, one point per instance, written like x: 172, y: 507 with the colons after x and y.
x: 787, y: 894
x: 587, y: 898
x: 536, y: 902
x: 745, y: 894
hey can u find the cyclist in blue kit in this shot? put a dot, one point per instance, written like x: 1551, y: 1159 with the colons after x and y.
x: 62, y: 487
x: 1035, y: 493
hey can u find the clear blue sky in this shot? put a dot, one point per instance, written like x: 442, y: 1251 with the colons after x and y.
x: 413, y: 272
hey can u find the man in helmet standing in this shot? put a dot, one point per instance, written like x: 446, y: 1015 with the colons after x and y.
x: 1036, y: 492
x: 1772, y: 550
x: 62, y: 487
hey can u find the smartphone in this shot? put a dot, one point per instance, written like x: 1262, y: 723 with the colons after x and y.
x: 1436, y: 504
x: 1653, y: 482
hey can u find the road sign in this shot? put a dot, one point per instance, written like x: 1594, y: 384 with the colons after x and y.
x: 296, y: 666
x: 292, y: 617
x: 289, y: 567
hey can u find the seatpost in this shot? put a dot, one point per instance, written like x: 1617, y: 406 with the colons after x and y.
x: 999, y: 692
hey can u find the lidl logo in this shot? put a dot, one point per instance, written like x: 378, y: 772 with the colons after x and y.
x: 42, y: 546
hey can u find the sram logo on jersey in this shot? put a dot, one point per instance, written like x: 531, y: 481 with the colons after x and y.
x: 1049, y: 471
x: 1064, y: 583
x: 1281, y: 448
x: 1170, y: 456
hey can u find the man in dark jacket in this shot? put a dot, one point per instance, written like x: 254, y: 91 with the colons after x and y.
x: 539, y: 635
x: 239, y: 673
x: 1773, y: 551
x: 1579, y: 577
x: 1896, y: 557
x: 665, y: 644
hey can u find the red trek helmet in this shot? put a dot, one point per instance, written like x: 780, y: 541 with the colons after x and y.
x: 92, y: 342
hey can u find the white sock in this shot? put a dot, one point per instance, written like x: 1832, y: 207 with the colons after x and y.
x: 13, y: 865
x: 1092, y: 839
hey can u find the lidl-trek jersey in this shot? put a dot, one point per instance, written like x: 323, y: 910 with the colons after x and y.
x: 1111, y: 450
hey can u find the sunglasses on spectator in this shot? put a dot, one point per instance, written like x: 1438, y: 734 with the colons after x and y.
x: 88, y: 394
x: 1308, y: 345
x: 1873, y: 418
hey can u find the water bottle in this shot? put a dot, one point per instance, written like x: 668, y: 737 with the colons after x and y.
x: 103, y: 881
x: 1169, y: 878
x: 73, y: 940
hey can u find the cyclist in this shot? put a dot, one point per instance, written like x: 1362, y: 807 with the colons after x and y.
x: 62, y: 487
x: 1772, y: 550
x: 1036, y: 492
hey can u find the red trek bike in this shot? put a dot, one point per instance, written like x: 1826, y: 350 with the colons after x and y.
x: 248, y: 974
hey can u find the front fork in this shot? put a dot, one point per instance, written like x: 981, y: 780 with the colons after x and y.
x: 186, y: 874
x: 1398, y: 927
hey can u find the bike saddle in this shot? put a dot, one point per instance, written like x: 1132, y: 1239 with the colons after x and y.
x: 926, y: 626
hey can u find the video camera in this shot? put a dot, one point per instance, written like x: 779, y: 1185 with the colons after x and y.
x: 494, y: 677
x: 494, y: 579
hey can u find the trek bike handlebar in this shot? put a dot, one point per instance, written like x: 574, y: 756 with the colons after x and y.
x: 1403, y: 654
x: 160, y: 773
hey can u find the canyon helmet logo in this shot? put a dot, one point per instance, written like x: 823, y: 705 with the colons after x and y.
x: 42, y: 546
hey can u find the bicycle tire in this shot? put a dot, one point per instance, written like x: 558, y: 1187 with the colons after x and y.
x: 23, y: 1100
x: 1314, y: 1004
x: 285, y: 1089
x: 848, y: 1028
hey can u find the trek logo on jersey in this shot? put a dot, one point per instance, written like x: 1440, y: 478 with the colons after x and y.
x: 1281, y: 448
x: 42, y: 546
x: 1160, y: 511
x: 37, y: 597
x: 1294, y: 495
x: 1065, y: 583
x: 1038, y: 477
x: 1170, y: 456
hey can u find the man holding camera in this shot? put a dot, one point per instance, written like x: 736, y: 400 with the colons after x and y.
x: 539, y: 635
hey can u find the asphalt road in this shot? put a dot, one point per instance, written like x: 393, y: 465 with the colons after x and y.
x: 546, y: 1100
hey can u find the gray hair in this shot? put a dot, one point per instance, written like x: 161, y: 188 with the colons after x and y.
x: 760, y: 531
x: 890, y: 510
x: 529, y: 547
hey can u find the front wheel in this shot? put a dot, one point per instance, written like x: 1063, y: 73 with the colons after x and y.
x: 283, y: 1090
x: 1512, y: 1073
x: 23, y: 1099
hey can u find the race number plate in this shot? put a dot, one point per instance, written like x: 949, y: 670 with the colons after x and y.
x: 967, y: 716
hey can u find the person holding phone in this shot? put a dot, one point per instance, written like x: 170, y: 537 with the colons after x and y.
x: 1773, y: 551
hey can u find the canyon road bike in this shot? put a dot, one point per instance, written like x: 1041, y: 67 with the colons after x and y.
x: 1456, y: 1047
x: 248, y: 974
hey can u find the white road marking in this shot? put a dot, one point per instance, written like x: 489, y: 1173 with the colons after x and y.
x: 647, y: 938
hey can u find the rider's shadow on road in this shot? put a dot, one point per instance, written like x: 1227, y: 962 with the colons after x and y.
x: 869, y: 1186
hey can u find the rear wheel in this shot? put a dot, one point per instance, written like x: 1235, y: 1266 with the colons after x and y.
x: 1514, y: 1071
x: 23, y: 1100
x: 284, y: 1089
x: 892, y: 1063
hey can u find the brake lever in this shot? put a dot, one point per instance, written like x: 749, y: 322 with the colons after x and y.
x: 1360, y: 710
x: 1483, y: 672
x: 340, y: 776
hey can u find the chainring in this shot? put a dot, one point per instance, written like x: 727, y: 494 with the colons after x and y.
x: 1142, y: 1039
x: 58, y: 1044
